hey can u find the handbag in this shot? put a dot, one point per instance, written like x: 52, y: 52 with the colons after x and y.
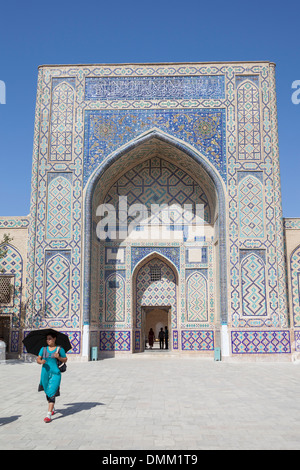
x: 61, y: 365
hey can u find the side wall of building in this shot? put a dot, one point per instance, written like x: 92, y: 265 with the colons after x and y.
x: 13, y: 272
x: 292, y: 244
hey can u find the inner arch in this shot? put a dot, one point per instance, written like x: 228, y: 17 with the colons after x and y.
x: 156, y: 145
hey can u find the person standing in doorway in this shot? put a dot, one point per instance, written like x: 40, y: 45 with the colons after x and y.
x: 2, y: 349
x: 151, y: 338
x: 161, y: 336
x: 166, y: 337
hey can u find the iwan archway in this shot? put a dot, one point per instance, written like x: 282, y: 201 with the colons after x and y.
x: 178, y: 175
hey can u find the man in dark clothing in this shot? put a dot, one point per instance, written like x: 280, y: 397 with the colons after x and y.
x: 161, y: 336
x: 166, y: 337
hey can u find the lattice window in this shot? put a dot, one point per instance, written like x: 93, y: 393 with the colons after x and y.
x: 6, y: 289
x: 155, y: 273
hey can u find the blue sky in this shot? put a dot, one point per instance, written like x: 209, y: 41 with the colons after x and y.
x: 33, y: 33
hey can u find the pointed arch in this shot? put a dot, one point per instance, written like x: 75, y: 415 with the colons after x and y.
x: 162, y: 292
x: 192, y: 155
x: 161, y: 255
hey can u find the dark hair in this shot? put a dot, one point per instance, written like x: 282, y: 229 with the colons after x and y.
x: 52, y: 334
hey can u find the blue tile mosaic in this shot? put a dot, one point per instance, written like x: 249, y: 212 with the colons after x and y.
x: 106, y: 131
x: 260, y: 342
x: 138, y: 253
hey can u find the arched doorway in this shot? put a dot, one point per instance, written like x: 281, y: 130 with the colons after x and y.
x: 157, y: 318
x: 192, y: 166
x: 155, y: 293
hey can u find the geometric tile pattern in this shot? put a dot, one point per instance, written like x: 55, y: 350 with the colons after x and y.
x: 114, y: 340
x: 137, y: 340
x: 12, y: 264
x: 195, y: 340
x: 157, y: 181
x: 75, y: 339
x: 248, y: 113
x: 251, y: 216
x: 57, y: 287
x: 59, y: 209
x: 61, y: 122
x: 196, y: 297
x: 273, y: 241
x: 253, y: 285
x: 14, y: 222
x: 175, y: 339
x: 291, y: 224
x: 295, y: 284
x: 260, y: 342
x: 14, y: 344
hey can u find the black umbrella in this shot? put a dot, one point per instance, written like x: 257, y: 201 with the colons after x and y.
x: 37, y: 339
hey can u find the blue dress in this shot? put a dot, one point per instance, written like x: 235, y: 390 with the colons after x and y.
x: 51, y: 375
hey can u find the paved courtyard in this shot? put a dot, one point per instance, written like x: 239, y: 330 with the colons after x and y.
x: 154, y: 401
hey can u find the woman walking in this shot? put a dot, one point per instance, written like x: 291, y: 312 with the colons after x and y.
x: 51, y: 375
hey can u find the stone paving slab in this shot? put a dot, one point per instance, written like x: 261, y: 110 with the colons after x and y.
x: 160, y: 402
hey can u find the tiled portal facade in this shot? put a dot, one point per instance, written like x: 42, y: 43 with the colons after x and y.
x: 167, y: 135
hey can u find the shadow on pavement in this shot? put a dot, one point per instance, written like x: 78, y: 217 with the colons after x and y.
x: 9, y: 419
x: 76, y: 408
